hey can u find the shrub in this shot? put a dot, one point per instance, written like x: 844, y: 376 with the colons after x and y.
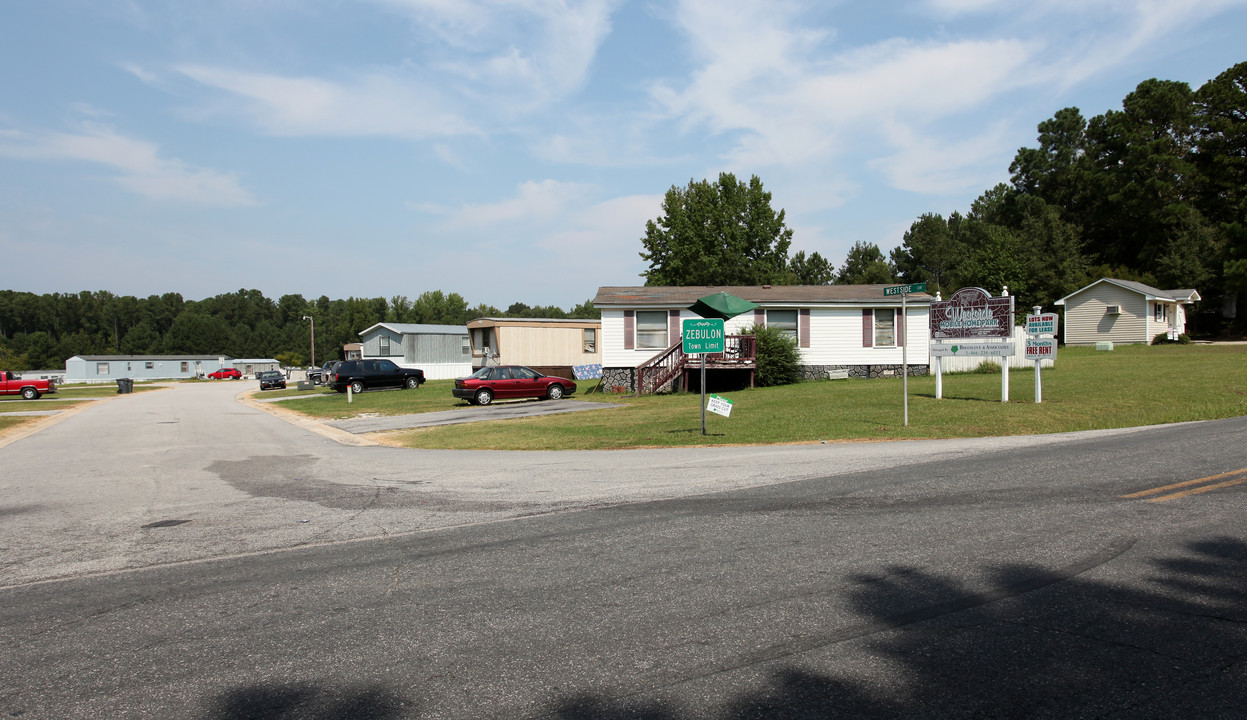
x: 779, y: 359
x: 1163, y: 339
x: 988, y: 367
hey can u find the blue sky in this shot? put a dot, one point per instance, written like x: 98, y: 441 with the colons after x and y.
x: 512, y: 150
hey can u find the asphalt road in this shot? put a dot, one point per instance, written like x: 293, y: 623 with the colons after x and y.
x: 177, y: 554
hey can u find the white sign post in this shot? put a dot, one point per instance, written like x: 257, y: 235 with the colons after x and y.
x: 904, y: 291
x: 1039, y: 348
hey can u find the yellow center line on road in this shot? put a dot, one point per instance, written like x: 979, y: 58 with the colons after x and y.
x: 1200, y: 482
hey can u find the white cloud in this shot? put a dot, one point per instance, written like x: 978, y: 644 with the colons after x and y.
x: 489, y: 60
x: 609, y: 231
x: 142, y: 169
x: 793, y: 102
x: 369, y: 105
x: 941, y: 166
x: 534, y: 203
x: 542, y: 49
x: 958, y: 7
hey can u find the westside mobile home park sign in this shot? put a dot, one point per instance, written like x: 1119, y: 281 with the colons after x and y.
x: 972, y: 313
x: 972, y: 319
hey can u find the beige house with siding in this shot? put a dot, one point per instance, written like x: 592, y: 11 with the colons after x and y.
x: 548, y: 345
x: 1123, y: 311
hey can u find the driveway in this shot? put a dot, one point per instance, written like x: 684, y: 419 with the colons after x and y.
x: 472, y: 413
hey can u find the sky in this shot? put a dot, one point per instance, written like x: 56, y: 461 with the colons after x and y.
x: 513, y: 150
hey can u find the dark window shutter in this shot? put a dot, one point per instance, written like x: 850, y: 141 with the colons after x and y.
x: 868, y: 327
x: 673, y: 327
x: 900, y: 328
x: 803, y: 327
x: 759, y: 317
x: 629, y: 329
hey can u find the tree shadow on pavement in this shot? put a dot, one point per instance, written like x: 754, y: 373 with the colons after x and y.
x: 1042, y: 646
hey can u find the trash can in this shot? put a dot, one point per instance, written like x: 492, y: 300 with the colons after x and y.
x: 125, y: 385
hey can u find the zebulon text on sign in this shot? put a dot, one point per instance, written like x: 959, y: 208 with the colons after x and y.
x: 702, y: 336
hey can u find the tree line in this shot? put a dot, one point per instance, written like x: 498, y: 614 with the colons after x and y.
x: 43, y: 331
x: 1154, y: 192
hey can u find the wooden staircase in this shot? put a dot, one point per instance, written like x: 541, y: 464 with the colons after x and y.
x: 740, y: 352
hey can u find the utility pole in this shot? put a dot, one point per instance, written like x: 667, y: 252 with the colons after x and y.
x: 312, y: 320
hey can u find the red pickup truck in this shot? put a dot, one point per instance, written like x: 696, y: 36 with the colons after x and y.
x: 12, y: 384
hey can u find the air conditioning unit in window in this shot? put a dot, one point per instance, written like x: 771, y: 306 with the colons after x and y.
x: 1113, y: 310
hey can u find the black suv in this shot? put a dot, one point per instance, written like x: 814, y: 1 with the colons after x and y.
x: 361, y: 375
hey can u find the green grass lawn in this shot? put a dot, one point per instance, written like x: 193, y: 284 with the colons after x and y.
x: 1131, y: 386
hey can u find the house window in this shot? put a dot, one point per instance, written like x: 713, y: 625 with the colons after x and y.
x: 651, y: 328
x: 591, y: 340
x: 466, y: 346
x: 1161, y: 312
x: 149, y: 364
x: 785, y: 320
x: 186, y: 366
x: 885, y: 327
x: 385, y: 345
x: 101, y: 368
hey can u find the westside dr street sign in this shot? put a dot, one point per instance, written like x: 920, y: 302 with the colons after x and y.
x: 702, y: 336
x: 905, y: 289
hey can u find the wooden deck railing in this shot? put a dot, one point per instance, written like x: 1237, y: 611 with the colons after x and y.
x: 739, y: 351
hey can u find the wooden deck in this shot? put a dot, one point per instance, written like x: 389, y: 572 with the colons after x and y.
x: 740, y: 353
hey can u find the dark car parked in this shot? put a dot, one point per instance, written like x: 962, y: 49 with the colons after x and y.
x: 361, y: 375
x: 320, y: 375
x: 271, y: 380
x: 510, y: 381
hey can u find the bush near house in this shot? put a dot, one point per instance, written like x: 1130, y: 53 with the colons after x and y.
x: 1163, y: 339
x: 778, y: 360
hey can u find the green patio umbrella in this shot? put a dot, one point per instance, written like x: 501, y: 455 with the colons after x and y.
x: 722, y: 305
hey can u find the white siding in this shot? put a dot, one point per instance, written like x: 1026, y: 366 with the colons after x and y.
x: 1087, y: 321
x: 835, y: 338
x: 441, y: 371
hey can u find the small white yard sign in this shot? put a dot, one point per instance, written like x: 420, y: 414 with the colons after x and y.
x: 719, y: 405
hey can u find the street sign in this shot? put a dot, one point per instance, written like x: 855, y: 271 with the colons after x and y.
x: 1040, y: 348
x: 719, y: 405
x: 972, y: 349
x: 702, y: 336
x: 1043, y: 324
x: 905, y: 289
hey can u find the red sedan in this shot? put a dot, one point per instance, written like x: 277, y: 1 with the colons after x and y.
x: 231, y: 373
x: 510, y: 381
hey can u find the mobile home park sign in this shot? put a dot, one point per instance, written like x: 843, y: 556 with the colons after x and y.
x: 972, y: 314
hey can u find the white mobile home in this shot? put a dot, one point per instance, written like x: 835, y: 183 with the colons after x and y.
x: 108, y: 368
x: 852, y: 330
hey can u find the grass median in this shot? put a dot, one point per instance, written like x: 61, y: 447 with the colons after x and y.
x: 1087, y: 390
